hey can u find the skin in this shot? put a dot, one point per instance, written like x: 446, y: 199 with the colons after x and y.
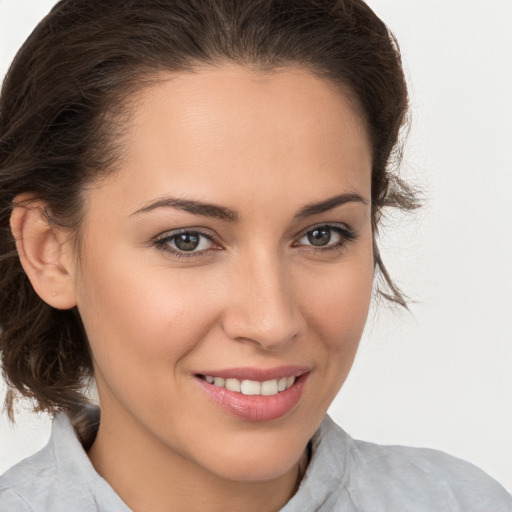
x: 259, y: 295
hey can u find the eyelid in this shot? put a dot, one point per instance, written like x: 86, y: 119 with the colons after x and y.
x: 160, y: 241
x: 339, y: 227
x: 174, y: 232
x: 346, y: 235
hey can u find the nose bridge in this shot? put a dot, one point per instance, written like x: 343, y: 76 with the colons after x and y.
x: 265, y: 309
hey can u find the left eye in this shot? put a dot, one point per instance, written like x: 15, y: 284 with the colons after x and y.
x: 324, y: 236
x: 187, y: 241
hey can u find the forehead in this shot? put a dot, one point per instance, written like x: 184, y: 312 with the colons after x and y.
x: 223, y: 129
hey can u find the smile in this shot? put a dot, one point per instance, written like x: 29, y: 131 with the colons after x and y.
x: 252, y: 387
x: 255, y: 394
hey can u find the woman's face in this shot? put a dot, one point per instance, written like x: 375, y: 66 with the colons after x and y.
x: 235, y: 242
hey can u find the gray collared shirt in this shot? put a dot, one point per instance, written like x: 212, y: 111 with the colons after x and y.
x: 343, y: 475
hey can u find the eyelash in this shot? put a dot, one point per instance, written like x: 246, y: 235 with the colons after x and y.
x: 346, y: 234
x: 162, y: 243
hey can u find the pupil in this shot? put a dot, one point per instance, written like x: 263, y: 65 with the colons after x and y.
x: 187, y: 241
x: 319, y: 236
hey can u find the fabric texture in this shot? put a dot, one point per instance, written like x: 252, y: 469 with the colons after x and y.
x: 344, y: 475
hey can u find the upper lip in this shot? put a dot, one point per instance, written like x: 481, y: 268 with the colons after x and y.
x: 258, y: 374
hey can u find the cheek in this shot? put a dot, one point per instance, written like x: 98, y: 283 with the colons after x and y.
x: 335, y: 306
x: 140, y: 321
x: 338, y: 302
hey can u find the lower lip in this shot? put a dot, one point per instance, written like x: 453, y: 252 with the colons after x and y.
x: 256, y: 407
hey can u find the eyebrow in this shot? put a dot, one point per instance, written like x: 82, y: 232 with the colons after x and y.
x: 223, y: 213
x: 328, y: 204
x: 195, y: 207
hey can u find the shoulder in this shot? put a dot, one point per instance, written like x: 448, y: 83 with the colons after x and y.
x: 382, y: 477
x: 34, y: 484
x: 59, y: 478
x: 21, y: 486
x: 10, y: 500
x: 429, y: 477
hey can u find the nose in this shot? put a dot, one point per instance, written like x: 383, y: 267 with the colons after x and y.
x: 263, y: 307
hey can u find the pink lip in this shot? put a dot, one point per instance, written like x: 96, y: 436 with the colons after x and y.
x: 259, y: 407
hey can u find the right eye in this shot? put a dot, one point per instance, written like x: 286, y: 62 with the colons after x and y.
x: 185, y: 243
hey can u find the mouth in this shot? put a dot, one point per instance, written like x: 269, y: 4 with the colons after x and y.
x: 255, y: 395
x: 251, y: 387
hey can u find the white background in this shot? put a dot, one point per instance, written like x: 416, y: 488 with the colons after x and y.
x: 441, y: 376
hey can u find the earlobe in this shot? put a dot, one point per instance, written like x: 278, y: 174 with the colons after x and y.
x: 44, y: 252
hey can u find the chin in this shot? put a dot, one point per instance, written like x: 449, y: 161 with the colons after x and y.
x: 258, y: 469
x: 255, y: 458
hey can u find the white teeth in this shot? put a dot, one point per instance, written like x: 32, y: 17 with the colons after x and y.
x: 252, y: 387
x: 269, y: 387
x: 219, y: 381
x: 233, y: 385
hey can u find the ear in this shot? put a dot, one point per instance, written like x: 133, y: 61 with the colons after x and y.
x: 44, y: 251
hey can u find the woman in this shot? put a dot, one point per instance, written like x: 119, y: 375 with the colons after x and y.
x: 190, y: 193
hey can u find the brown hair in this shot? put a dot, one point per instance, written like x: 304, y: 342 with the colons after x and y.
x: 61, y: 112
